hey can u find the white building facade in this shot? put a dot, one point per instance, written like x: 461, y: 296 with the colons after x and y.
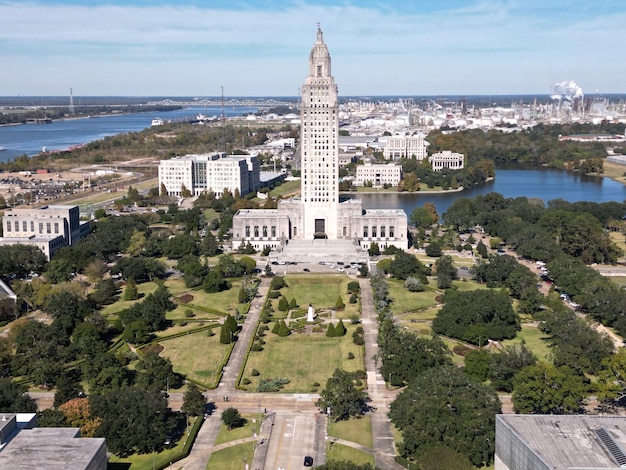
x: 447, y: 159
x: 210, y: 172
x: 48, y: 228
x: 378, y: 174
x: 405, y: 146
x: 318, y: 213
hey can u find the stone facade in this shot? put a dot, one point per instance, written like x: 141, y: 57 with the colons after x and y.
x: 318, y: 213
x: 446, y: 159
x: 48, y: 227
x: 405, y: 146
x: 378, y: 174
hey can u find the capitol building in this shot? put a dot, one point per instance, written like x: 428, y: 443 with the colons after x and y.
x: 318, y: 218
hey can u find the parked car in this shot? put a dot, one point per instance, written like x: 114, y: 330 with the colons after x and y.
x: 308, y: 461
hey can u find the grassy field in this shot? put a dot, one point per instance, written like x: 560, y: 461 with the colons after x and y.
x: 253, y: 423
x: 619, y: 239
x: 321, y: 291
x: 144, y: 289
x: 225, y: 301
x: 614, y: 171
x: 231, y: 458
x: 353, y: 430
x: 287, y: 187
x: 339, y: 452
x: 197, y: 355
x: 303, y: 359
x: 534, y: 340
x: 405, y: 301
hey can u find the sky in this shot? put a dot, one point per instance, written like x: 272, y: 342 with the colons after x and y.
x: 261, y: 47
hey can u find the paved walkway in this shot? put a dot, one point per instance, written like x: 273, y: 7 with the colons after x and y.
x: 383, y: 450
x: 201, y: 451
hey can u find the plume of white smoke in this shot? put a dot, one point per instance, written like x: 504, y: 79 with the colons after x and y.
x: 566, y: 91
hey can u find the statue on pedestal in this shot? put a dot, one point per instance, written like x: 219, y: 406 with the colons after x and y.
x: 310, y: 316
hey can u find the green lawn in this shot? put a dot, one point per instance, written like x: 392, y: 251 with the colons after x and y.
x: 231, y: 458
x: 225, y: 301
x: 197, y: 355
x: 339, y: 452
x: 353, y: 430
x: 321, y: 291
x: 534, y: 339
x: 405, y: 301
x: 253, y: 423
x: 144, y: 289
x: 286, y: 188
x: 303, y: 359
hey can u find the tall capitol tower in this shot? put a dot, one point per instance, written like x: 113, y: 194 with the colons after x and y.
x: 319, y: 144
x: 316, y: 224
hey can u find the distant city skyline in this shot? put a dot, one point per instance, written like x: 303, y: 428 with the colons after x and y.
x: 256, y: 48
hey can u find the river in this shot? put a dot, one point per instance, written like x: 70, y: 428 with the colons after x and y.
x: 541, y: 183
x: 29, y: 139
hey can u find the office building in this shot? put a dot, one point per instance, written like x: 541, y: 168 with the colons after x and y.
x: 48, y: 228
x: 210, y: 172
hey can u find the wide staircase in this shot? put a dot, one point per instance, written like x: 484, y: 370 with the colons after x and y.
x: 323, y: 250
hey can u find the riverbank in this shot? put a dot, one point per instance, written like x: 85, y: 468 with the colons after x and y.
x: 391, y: 191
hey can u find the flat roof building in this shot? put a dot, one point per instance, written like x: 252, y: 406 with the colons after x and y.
x: 210, y: 172
x: 48, y: 228
x: 560, y: 442
x: 48, y: 448
x: 378, y: 174
x: 447, y: 159
x: 405, y: 146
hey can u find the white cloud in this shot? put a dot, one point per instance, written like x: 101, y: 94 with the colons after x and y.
x: 485, y: 47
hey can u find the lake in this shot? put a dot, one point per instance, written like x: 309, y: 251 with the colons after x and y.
x: 541, y: 183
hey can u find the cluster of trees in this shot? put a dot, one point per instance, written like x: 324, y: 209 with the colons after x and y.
x: 542, y: 233
x: 477, y: 316
x: 539, y: 145
x: 440, y: 406
x: 416, y: 172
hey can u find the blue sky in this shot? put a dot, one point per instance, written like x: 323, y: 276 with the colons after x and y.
x: 260, y: 48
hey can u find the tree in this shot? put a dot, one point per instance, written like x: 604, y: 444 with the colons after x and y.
x: 293, y: 303
x: 446, y: 272
x: 77, y: 414
x: 278, y: 282
x: 341, y: 398
x: 507, y: 363
x: 477, y: 364
x: 330, y: 331
x: 546, y: 389
x: 14, y: 399
x: 283, y: 304
x: 477, y: 316
x: 214, y: 282
x: 232, y: 418
x: 433, y: 249
x: 374, y: 249
x: 340, y: 329
x: 242, y: 296
x: 406, y: 356
x: 481, y: 248
x: 423, y: 217
x: 156, y: 373
x: 194, y: 402
x: 133, y: 420
x: 405, y: 265
x: 445, y: 406
x: 339, y: 304
x: 130, y: 291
